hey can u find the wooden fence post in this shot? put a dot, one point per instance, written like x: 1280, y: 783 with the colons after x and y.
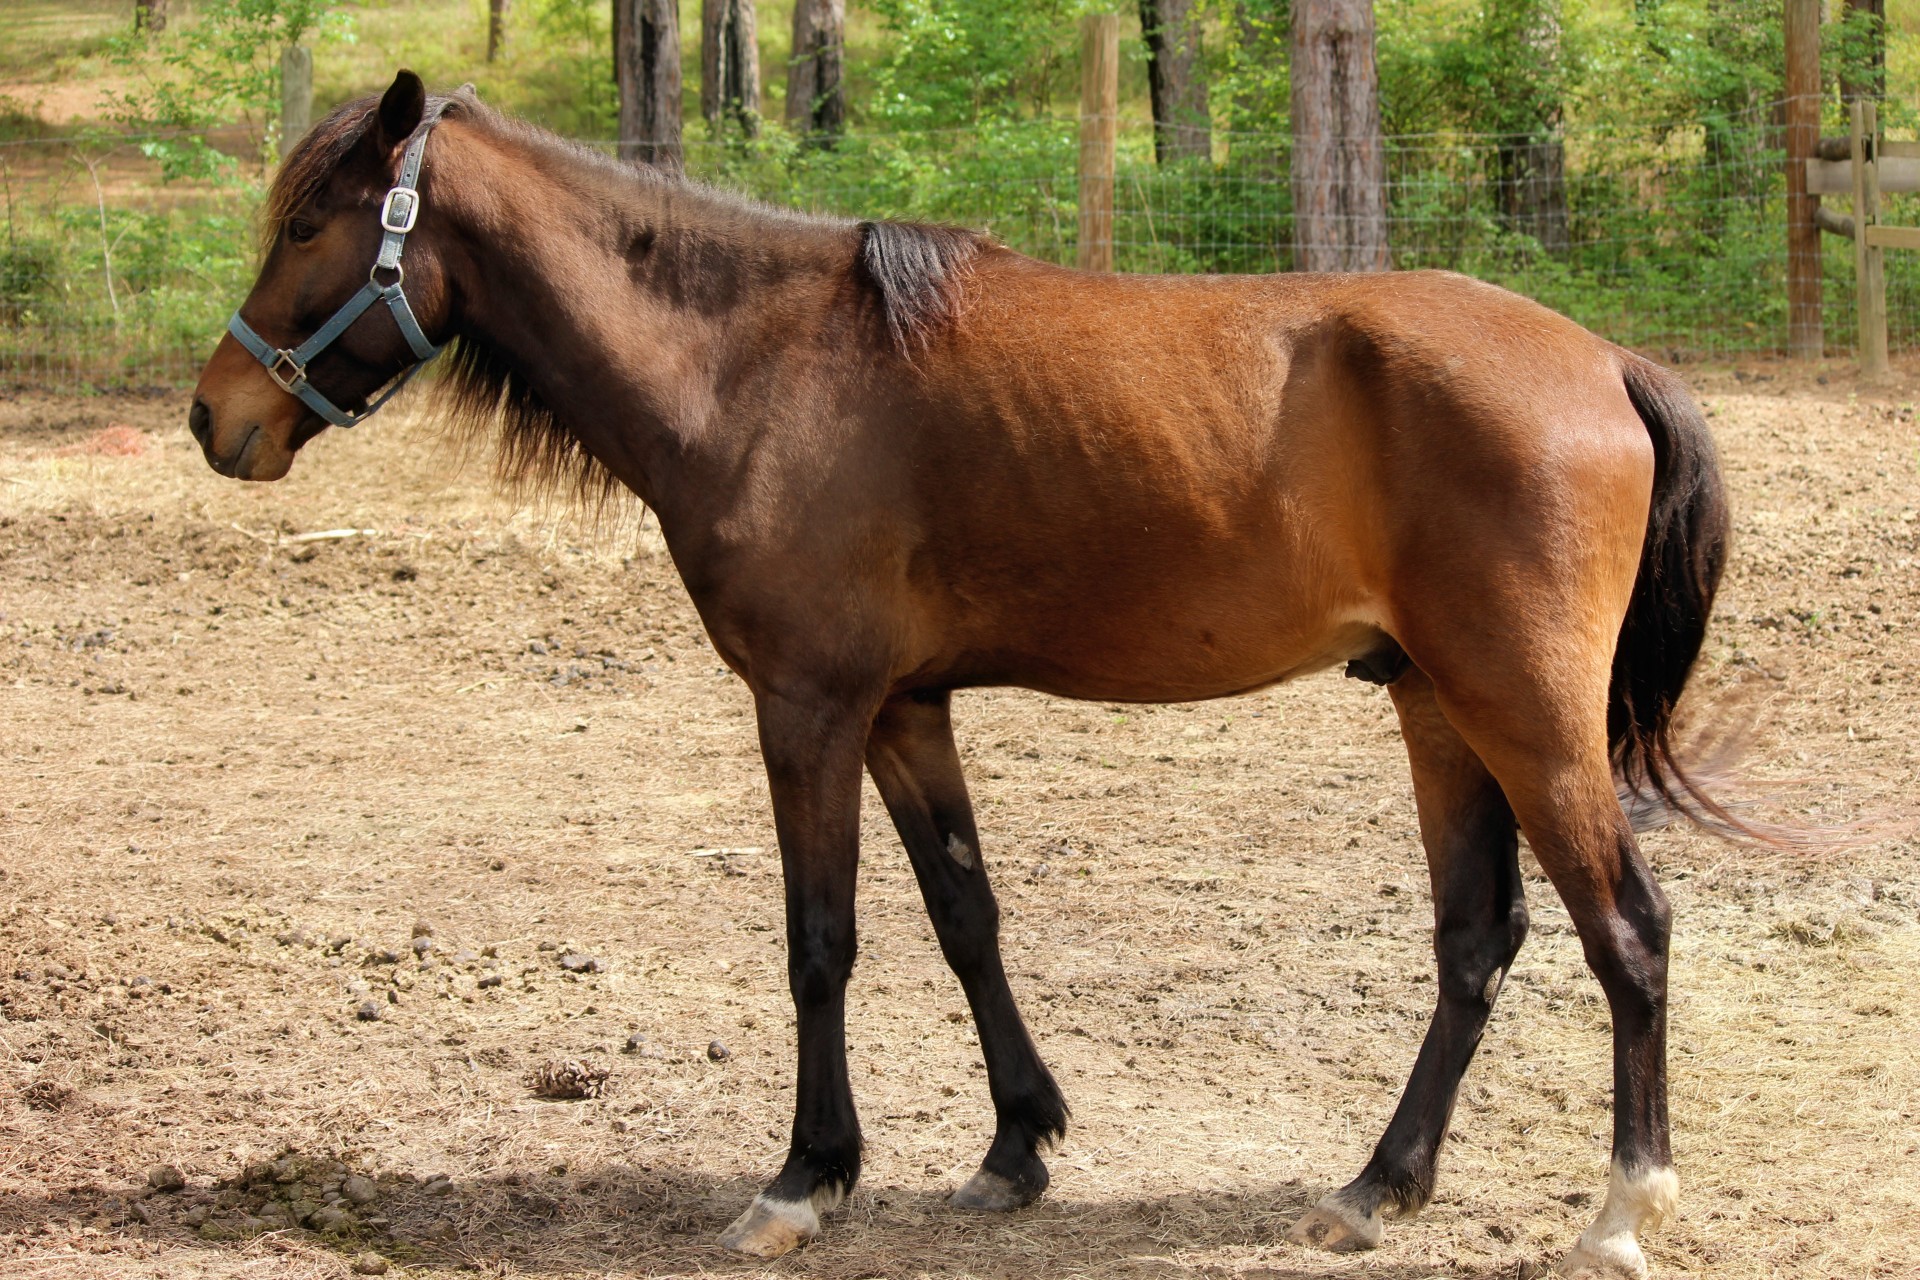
x: 1099, y: 136
x: 1805, y: 339
x: 296, y: 96
x: 1869, y: 259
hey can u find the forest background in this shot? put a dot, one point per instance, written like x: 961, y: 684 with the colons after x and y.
x: 1621, y: 160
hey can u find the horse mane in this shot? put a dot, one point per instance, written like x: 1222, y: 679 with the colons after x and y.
x: 914, y: 274
x: 918, y: 272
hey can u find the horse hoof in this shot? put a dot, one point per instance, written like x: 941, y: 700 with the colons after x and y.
x: 1336, y: 1226
x: 988, y: 1192
x: 770, y: 1228
x: 1615, y: 1257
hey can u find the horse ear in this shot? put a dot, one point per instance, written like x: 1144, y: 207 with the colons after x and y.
x: 401, y: 108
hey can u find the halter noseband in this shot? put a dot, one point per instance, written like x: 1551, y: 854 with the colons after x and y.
x: 288, y: 366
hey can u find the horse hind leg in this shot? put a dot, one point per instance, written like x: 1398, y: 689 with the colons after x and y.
x: 1543, y: 736
x: 1480, y: 920
x: 916, y: 767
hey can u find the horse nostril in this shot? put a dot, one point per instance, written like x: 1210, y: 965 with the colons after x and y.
x: 200, y: 422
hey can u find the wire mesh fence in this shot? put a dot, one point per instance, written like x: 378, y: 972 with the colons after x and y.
x: 1668, y: 240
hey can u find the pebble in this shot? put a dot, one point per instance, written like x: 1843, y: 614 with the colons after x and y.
x: 339, y: 942
x: 422, y: 945
x: 718, y: 1052
x: 637, y: 1041
x: 165, y: 1177
x: 359, y: 1189
x: 490, y: 980
x: 369, y: 1011
x: 369, y: 1264
x: 330, y: 1218
x: 422, y: 929
x: 439, y: 1185
x: 579, y: 962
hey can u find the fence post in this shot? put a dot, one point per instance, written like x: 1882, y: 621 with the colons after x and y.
x: 1805, y: 339
x: 1099, y: 134
x: 296, y: 96
x: 1869, y: 259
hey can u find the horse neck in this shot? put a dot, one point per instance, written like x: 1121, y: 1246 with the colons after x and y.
x: 630, y: 303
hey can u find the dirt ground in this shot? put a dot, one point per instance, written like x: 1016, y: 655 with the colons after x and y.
x: 244, y: 766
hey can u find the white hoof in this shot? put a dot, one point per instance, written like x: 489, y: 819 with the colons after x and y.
x: 770, y: 1228
x: 1610, y: 1248
x: 1338, y: 1226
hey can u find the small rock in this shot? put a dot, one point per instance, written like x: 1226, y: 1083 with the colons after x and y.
x: 439, y: 1185
x: 165, y: 1177
x: 369, y: 1264
x: 339, y: 942
x: 369, y: 1011
x: 196, y: 1215
x: 422, y: 945
x: 422, y: 929
x: 718, y: 1052
x: 330, y: 1218
x: 579, y: 962
x: 359, y: 1189
x: 489, y: 980
x: 275, y: 1216
x: 638, y: 1041
x: 463, y: 957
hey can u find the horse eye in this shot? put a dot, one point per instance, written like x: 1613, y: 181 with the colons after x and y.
x: 300, y: 232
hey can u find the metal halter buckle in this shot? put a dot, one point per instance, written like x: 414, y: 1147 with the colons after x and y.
x: 408, y: 201
x: 285, y: 357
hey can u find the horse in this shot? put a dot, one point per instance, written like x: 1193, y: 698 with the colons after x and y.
x: 892, y: 460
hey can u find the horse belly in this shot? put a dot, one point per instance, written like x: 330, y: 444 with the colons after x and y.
x: 1198, y: 631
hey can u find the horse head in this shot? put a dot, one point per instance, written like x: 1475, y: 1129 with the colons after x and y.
x: 312, y: 343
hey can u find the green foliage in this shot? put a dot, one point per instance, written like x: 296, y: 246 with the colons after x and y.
x: 221, y: 68
x: 953, y: 63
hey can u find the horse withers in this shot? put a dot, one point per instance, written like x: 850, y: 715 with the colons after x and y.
x: 892, y: 461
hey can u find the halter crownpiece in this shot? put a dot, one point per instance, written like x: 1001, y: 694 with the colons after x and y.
x: 287, y: 366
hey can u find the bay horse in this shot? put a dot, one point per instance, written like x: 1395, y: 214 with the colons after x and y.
x: 891, y: 461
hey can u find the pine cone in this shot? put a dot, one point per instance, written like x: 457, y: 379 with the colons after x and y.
x: 569, y: 1078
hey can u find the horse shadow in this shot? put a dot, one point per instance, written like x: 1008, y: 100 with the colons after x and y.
x: 655, y: 1219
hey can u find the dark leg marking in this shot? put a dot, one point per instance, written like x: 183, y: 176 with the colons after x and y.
x: 1480, y: 920
x: 915, y: 766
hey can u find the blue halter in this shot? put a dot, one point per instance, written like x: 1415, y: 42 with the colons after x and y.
x: 288, y: 366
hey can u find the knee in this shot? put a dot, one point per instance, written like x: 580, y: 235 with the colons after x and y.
x: 818, y: 969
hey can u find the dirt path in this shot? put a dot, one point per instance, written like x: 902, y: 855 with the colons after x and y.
x: 243, y: 766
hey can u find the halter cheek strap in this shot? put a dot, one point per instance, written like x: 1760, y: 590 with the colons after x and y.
x: 288, y: 365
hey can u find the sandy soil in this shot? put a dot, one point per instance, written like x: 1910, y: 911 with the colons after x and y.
x: 244, y: 766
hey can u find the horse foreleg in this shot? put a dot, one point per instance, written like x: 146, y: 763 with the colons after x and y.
x: 916, y: 767
x: 812, y: 753
x: 1480, y: 920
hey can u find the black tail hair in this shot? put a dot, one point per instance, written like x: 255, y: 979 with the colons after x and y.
x: 1680, y: 566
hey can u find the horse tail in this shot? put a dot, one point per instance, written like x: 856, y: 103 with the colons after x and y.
x: 1681, y: 561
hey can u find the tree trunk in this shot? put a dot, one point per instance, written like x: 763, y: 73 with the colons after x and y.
x: 1177, y: 80
x: 496, y: 27
x: 1873, y: 84
x: 816, y: 97
x: 150, y: 15
x: 729, y: 65
x: 1531, y: 162
x: 1339, y: 159
x: 646, y: 59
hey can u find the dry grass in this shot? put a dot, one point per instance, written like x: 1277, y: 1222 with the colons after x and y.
x: 219, y: 735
